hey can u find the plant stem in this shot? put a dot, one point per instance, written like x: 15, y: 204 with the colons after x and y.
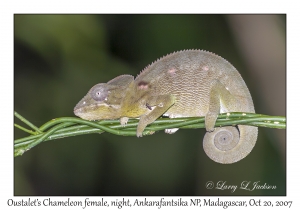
x: 71, y: 126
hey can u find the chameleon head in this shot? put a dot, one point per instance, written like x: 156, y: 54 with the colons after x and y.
x: 97, y: 104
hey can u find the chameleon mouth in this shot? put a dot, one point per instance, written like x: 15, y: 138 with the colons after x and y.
x: 77, y: 111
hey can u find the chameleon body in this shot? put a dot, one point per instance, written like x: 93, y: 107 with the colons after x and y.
x: 187, y: 83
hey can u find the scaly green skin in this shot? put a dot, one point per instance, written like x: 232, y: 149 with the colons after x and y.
x: 182, y: 84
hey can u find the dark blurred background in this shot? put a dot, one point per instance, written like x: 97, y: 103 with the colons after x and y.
x: 58, y: 58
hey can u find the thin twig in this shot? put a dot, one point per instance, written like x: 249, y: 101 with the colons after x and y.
x: 27, y: 122
x: 71, y: 126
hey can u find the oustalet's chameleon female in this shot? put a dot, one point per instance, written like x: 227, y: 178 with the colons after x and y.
x: 187, y: 83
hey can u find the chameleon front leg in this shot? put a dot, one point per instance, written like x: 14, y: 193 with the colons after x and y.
x: 159, y: 105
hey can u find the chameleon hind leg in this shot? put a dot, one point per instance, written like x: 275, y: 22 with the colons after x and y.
x: 218, y: 96
x: 227, y: 144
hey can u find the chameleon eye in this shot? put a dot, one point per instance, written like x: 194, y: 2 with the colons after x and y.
x: 99, y: 93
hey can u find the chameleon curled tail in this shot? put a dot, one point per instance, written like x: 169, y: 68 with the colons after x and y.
x: 229, y: 144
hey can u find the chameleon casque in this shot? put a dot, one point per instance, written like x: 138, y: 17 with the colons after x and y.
x: 187, y: 83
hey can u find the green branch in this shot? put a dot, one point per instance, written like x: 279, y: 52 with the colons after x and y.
x: 72, y: 126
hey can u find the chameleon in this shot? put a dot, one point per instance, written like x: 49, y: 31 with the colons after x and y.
x: 186, y: 83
